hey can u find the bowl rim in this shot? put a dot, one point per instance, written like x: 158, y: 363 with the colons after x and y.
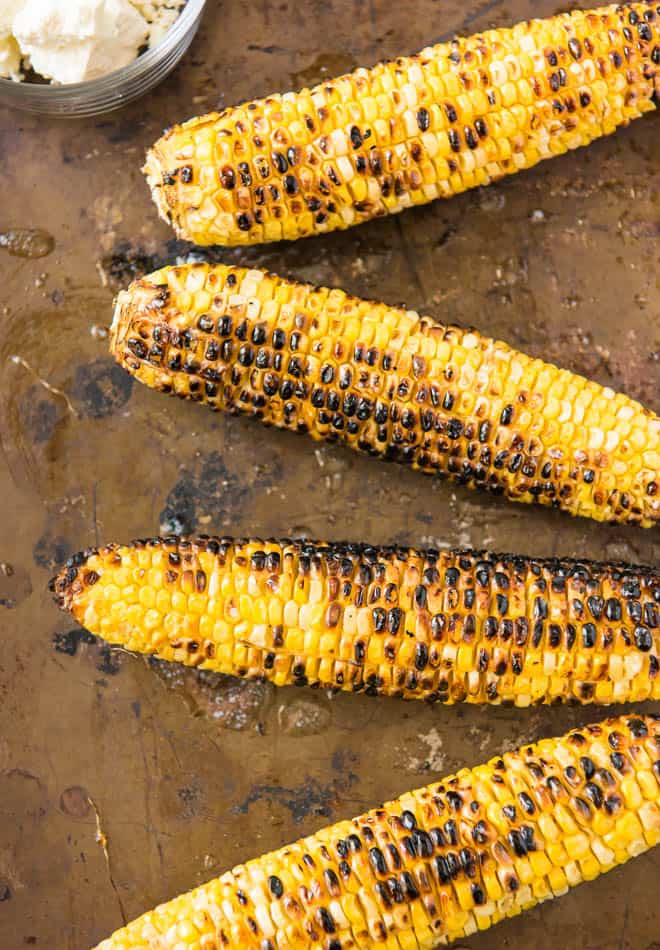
x: 134, y: 70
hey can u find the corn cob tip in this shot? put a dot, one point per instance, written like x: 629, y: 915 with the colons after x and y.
x: 66, y: 584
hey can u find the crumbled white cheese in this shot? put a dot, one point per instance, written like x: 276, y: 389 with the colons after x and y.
x: 80, y: 39
x: 10, y: 54
x: 160, y: 15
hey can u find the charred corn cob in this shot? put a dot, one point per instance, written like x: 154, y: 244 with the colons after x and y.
x: 463, y: 627
x: 441, y: 862
x: 374, y: 142
x: 389, y: 383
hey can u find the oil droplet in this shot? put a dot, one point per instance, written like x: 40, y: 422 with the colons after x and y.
x: 27, y: 242
x: 74, y: 801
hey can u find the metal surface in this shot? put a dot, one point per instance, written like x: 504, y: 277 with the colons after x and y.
x: 183, y: 776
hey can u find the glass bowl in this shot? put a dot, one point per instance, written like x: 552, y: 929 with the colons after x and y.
x: 96, y: 96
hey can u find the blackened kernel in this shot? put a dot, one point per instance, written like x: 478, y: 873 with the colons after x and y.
x: 454, y: 140
x: 280, y: 162
x: 290, y: 184
x: 618, y: 761
x: 454, y: 428
x: 356, y: 137
x: 470, y: 137
x: 643, y: 638
x: 589, y: 635
x: 326, y: 920
x: 595, y: 605
x: 575, y: 48
x: 379, y: 616
x: 276, y: 886
x: 327, y: 373
x: 478, y: 895
x: 480, y: 833
x: 228, y: 178
x: 507, y: 415
x: 613, y: 609
x: 638, y: 728
x: 243, y: 221
x: 423, y: 119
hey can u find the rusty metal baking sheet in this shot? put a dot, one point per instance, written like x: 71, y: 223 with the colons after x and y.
x: 184, y: 775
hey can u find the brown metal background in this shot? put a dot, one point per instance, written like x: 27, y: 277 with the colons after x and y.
x: 187, y: 775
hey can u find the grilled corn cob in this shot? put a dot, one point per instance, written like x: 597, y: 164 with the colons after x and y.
x: 374, y: 142
x: 463, y: 627
x: 387, y: 382
x: 441, y: 862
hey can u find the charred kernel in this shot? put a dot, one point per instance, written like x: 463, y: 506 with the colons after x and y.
x: 618, y: 761
x: 480, y: 833
x: 470, y: 138
x: 276, y: 886
x: 454, y: 140
x: 451, y: 577
x: 595, y: 606
x: 377, y: 860
x: 454, y: 428
x: 589, y: 635
x: 540, y: 609
x: 455, y: 800
x: 506, y: 416
x: 138, y: 348
x: 613, y: 609
x: 526, y: 803
x: 408, y: 820
x: 327, y: 373
x: 481, y: 128
x: 643, y: 638
x: 423, y: 119
x: 290, y: 184
x: 409, y: 887
x: 517, y: 843
x: 478, y: 895
x: 421, y: 656
x: 243, y: 221
x: 228, y: 178
x: 575, y: 48
x: 356, y: 137
x: 326, y: 920
x: 379, y: 616
x: 280, y: 162
x: 638, y: 728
